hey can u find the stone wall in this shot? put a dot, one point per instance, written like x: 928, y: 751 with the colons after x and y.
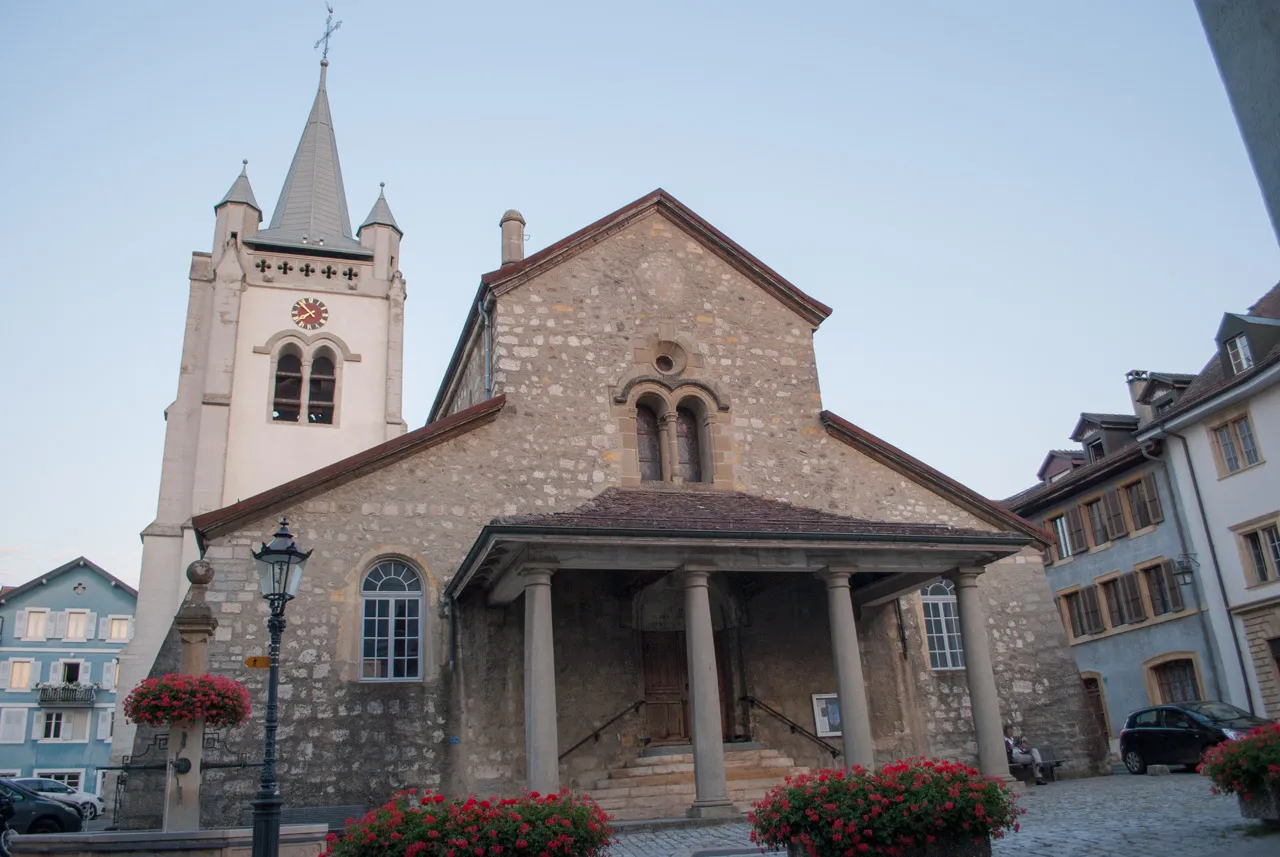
x: 1260, y: 628
x: 565, y: 341
x: 1041, y: 693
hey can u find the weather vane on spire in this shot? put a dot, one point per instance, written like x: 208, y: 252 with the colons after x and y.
x: 329, y: 29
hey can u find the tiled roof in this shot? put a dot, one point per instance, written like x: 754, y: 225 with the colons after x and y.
x: 1212, y: 379
x: 1109, y: 418
x: 658, y: 510
x: 1026, y: 502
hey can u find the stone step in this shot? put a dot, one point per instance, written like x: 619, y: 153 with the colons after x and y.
x: 732, y: 774
x: 687, y: 758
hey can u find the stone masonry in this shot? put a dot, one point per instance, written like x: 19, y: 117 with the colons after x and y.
x: 567, y: 341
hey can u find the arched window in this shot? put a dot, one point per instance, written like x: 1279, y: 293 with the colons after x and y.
x: 649, y: 443
x: 391, y: 645
x: 286, y: 403
x: 942, y: 626
x: 689, y: 444
x: 321, y: 388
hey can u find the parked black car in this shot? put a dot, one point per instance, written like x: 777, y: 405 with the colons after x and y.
x: 1179, y: 734
x: 35, y: 813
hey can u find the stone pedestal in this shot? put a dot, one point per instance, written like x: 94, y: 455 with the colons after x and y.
x: 195, y: 624
x: 711, y: 792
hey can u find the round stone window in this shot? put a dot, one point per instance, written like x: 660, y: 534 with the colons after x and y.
x: 669, y: 358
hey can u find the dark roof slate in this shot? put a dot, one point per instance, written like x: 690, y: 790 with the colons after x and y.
x: 648, y: 509
x: 1212, y: 379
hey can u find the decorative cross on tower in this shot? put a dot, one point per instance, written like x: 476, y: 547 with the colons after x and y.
x: 329, y: 29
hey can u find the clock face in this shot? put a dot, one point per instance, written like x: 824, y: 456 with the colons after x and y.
x: 310, y: 313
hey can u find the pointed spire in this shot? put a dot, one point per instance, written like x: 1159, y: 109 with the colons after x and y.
x: 241, y: 192
x: 312, y: 209
x: 380, y: 214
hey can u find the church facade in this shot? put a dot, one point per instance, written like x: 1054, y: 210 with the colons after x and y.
x: 629, y: 554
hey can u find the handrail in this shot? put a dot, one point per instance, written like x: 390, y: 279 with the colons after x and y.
x: 796, y: 728
x: 630, y: 709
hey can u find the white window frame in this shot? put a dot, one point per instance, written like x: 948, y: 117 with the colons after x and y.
x: 44, y: 631
x: 85, y: 677
x: 390, y: 597
x: 56, y: 773
x: 111, y: 628
x: 942, y: 626
x: 84, y: 637
x: 1239, y: 354
x: 63, y: 722
x: 31, y: 679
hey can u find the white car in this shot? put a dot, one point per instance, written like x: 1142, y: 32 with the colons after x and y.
x: 89, y: 804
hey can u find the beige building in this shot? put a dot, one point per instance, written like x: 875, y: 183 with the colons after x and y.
x: 630, y: 553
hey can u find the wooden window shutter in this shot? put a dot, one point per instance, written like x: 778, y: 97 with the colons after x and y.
x: 20, y: 624
x: 1131, y: 586
x: 6, y: 667
x: 1075, y: 530
x: 1116, y: 525
x: 1092, y: 611
x: 1171, y: 584
x: 1153, y: 498
x: 104, y: 628
x: 1051, y: 553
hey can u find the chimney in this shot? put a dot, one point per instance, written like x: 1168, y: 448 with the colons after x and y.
x: 512, y: 224
x: 1138, y: 379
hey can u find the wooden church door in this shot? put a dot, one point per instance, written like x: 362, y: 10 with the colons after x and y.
x: 666, y: 686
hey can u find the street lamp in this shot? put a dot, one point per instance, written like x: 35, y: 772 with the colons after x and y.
x: 1184, y: 569
x: 280, y: 566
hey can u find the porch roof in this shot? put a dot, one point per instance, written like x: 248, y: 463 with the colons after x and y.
x: 647, y: 530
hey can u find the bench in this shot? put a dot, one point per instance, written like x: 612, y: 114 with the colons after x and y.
x: 1049, y: 764
x: 333, y: 816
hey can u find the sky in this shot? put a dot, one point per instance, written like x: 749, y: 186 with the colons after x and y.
x: 1008, y: 204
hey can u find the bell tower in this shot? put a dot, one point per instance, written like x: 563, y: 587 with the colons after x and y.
x: 291, y: 360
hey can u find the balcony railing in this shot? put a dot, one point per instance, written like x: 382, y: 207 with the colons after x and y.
x: 68, y: 695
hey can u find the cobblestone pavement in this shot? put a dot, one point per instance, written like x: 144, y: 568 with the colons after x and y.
x: 1125, y: 816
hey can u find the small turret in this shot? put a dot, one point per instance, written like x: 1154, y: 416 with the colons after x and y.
x: 382, y: 235
x: 238, y: 213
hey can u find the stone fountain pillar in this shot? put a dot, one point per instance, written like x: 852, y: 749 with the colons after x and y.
x: 195, y: 624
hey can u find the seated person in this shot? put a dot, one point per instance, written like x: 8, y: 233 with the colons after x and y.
x: 1022, y: 753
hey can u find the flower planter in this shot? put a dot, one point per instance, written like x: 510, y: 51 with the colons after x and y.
x: 909, y: 808
x: 963, y: 848
x: 1264, y: 806
x: 1248, y: 767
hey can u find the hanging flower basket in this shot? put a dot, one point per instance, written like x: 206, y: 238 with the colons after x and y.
x: 1250, y: 769
x: 429, y: 825
x: 178, y: 698
x: 909, y: 808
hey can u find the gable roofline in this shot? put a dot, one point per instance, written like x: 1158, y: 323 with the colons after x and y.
x: 78, y: 562
x: 1066, y: 454
x: 935, y: 480
x: 510, y: 276
x: 1123, y: 422
x: 210, y: 525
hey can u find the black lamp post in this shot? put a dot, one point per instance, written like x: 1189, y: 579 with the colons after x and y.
x: 280, y: 566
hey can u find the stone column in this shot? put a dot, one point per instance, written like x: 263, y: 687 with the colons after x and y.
x: 711, y: 792
x: 983, y: 701
x: 670, y: 453
x: 195, y: 624
x: 855, y: 716
x: 542, y: 753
